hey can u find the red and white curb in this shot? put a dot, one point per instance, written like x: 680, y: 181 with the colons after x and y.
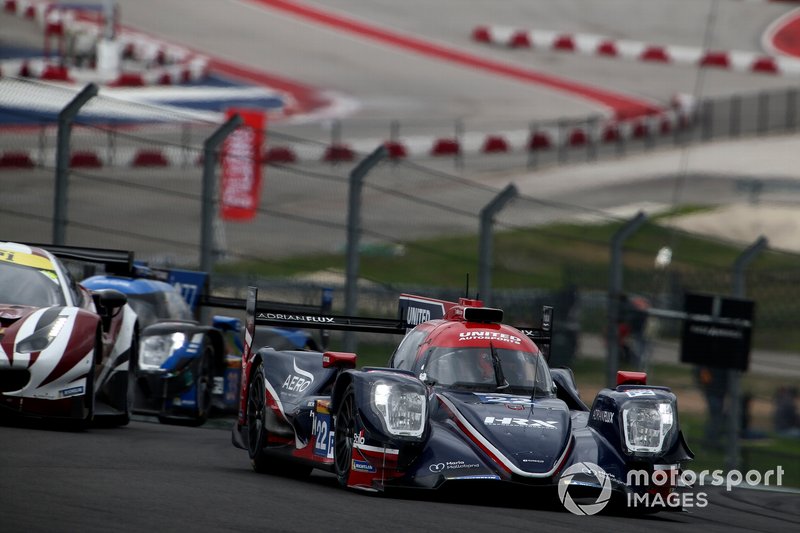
x: 471, y: 143
x: 146, y: 61
x: 600, y: 46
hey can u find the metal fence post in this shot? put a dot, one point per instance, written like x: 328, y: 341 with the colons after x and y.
x: 593, y: 137
x: 763, y: 113
x: 791, y: 109
x: 563, y: 141
x: 210, y: 146
x: 706, y: 120
x: 735, y: 376
x: 65, y: 118
x: 354, y: 236
x: 532, y: 130
x: 486, y: 240
x: 735, y: 116
x: 615, y: 291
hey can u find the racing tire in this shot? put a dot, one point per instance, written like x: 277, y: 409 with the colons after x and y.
x: 85, y: 422
x: 124, y: 418
x: 257, y: 421
x: 257, y: 433
x: 204, y: 385
x: 343, y: 437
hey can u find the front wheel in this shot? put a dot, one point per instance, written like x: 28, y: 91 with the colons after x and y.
x: 204, y: 385
x: 344, y: 436
x: 256, y: 420
x: 257, y: 433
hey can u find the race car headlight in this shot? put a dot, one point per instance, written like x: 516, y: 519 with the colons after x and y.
x: 402, y: 407
x: 647, y: 425
x: 158, y: 348
x: 42, y: 337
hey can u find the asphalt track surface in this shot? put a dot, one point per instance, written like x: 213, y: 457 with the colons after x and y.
x: 151, y: 477
x: 388, y: 56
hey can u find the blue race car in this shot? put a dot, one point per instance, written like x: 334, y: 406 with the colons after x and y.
x: 186, y: 369
x: 182, y: 368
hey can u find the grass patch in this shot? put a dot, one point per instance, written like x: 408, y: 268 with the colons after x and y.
x: 571, y: 254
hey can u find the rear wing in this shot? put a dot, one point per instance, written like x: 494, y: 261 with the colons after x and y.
x: 543, y: 335
x: 418, y: 309
x: 118, y: 262
x: 294, y: 316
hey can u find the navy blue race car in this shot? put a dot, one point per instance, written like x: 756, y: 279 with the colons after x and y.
x: 464, y: 399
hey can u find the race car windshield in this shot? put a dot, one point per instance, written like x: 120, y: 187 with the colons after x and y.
x: 473, y: 368
x: 154, y: 306
x: 22, y: 285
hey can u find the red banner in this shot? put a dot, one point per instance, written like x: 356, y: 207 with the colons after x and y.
x: 241, y: 166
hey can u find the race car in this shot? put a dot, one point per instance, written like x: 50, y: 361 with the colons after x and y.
x: 186, y: 370
x: 464, y: 399
x: 65, y: 351
x: 181, y: 364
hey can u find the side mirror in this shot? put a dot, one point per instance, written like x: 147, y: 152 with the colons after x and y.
x: 109, y: 298
x: 338, y: 360
x: 107, y: 302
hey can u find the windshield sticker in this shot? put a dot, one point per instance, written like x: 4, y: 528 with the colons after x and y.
x: 489, y: 336
x: 29, y: 260
x: 49, y: 274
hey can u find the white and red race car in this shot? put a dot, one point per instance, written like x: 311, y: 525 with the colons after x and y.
x: 65, y: 352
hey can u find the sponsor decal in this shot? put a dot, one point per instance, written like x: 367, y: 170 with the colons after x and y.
x: 72, y: 391
x: 183, y: 402
x: 515, y: 406
x: 436, y: 468
x: 603, y: 416
x: 508, y: 400
x: 520, y: 422
x: 479, y: 476
x: 358, y: 438
x: 419, y: 310
x: 219, y: 385
x: 362, y: 466
x: 299, y: 381
x: 636, y: 393
x: 538, y: 461
x: 488, y: 335
x: 417, y: 316
x: 35, y: 261
x: 297, y: 318
x: 451, y: 465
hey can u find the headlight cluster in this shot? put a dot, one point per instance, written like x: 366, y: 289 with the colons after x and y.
x: 402, y: 407
x: 158, y: 348
x: 646, y: 425
x: 42, y: 337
